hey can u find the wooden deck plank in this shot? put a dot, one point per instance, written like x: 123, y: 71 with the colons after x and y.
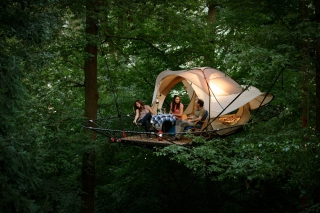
x: 166, y: 141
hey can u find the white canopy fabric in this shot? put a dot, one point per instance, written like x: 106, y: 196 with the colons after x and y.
x: 220, y: 93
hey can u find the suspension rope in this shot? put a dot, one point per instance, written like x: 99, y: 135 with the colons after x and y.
x: 274, y: 82
x: 227, y: 106
x: 113, y: 91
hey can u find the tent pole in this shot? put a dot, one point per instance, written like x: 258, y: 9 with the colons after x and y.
x: 209, y: 89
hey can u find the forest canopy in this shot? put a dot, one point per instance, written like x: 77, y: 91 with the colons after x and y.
x: 63, y: 62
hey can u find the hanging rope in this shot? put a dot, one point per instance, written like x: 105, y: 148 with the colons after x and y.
x: 274, y: 82
x: 113, y: 91
x: 227, y: 106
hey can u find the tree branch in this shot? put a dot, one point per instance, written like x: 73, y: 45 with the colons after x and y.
x: 76, y: 84
x: 134, y: 38
x: 74, y: 64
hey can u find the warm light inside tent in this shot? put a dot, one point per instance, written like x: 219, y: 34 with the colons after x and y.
x: 216, y: 90
x: 224, y: 86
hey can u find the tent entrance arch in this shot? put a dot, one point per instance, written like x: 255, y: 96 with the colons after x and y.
x: 178, y: 89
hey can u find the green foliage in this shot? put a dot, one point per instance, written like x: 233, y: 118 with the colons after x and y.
x: 17, y: 177
x: 132, y: 179
x: 266, y: 168
x: 26, y: 28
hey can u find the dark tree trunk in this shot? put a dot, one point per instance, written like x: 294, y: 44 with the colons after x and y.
x: 317, y: 48
x: 305, y: 109
x: 91, y: 107
x: 211, y: 18
x: 317, y: 59
x: 212, y: 12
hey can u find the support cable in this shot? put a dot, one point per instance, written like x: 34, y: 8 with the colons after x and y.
x: 113, y: 92
x: 281, y: 72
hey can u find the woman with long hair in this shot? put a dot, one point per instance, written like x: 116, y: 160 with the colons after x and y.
x: 176, y: 107
x: 143, y: 115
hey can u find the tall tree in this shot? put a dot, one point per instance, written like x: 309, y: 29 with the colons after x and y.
x: 317, y: 59
x: 91, y: 105
x: 317, y: 81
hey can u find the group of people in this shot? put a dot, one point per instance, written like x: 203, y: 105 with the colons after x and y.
x: 143, y: 115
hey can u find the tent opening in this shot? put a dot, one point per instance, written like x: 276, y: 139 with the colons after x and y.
x: 180, y: 90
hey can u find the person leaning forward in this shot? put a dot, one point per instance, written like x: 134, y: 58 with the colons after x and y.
x: 143, y: 115
x: 198, y: 115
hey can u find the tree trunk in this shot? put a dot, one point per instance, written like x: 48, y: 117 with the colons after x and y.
x: 317, y: 55
x: 211, y: 18
x: 91, y: 107
x: 316, y: 192
x: 212, y: 12
x: 305, y: 109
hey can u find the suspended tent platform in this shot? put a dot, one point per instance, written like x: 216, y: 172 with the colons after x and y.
x: 140, y: 138
x: 229, y: 107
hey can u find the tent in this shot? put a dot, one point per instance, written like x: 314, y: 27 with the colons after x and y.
x: 220, y: 93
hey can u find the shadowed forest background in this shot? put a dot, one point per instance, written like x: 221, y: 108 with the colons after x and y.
x: 63, y: 62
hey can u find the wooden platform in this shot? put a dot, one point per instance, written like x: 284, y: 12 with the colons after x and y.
x: 166, y: 140
x: 140, y: 138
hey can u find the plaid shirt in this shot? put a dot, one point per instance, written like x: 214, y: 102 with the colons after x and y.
x: 160, y: 118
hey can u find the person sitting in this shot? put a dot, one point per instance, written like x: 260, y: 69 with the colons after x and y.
x: 143, y: 116
x: 198, y: 115
x: 176, y: 107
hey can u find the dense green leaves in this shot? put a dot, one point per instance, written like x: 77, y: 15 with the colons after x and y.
x: 269, y: 167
